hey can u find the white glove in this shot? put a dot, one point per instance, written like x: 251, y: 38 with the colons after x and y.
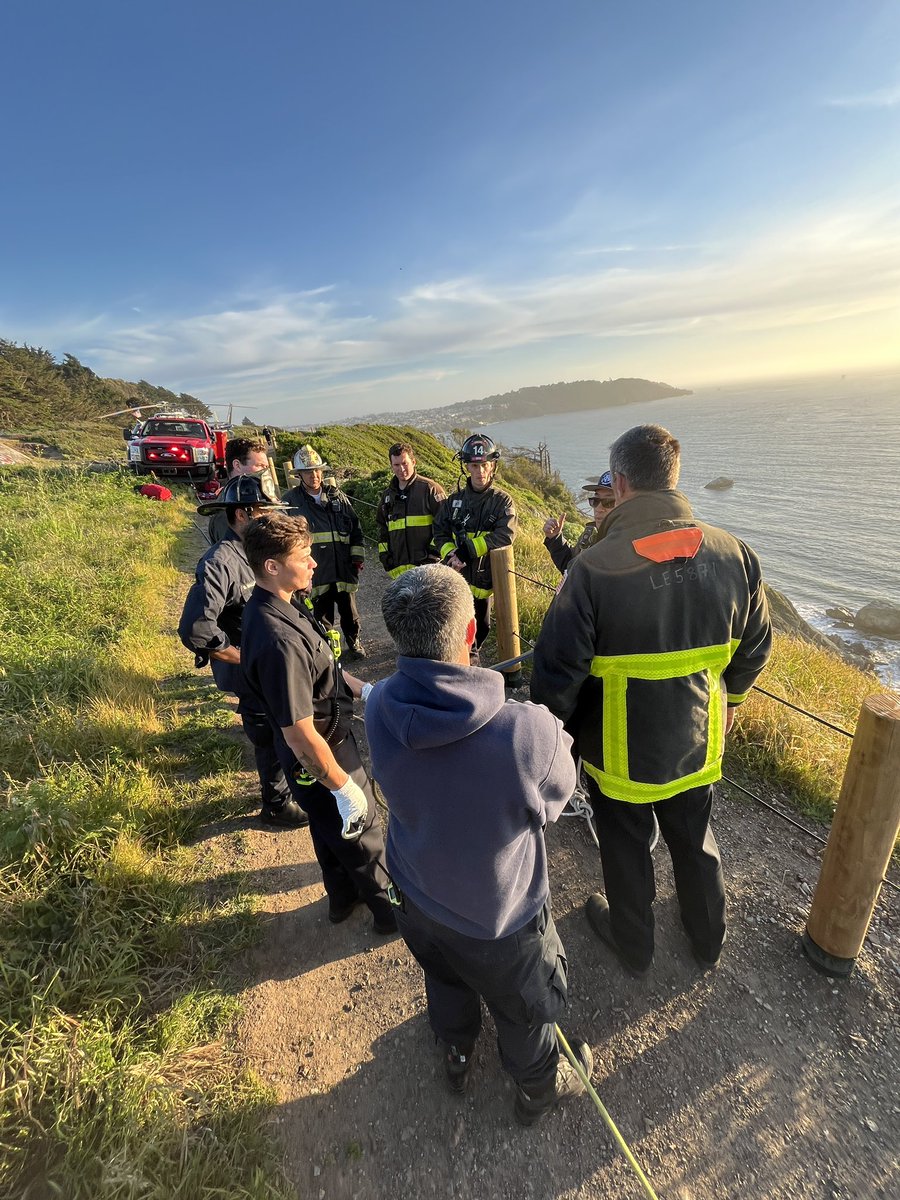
x: 366, y: 691
x: 353, y: 807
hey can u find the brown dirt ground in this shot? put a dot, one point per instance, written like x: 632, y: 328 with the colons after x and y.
x: 763, y: 1079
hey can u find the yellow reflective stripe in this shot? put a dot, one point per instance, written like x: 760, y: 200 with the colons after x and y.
x: 733, y: 698
x: 447, y: 548
x: 320, y: 590
x: 615, y: 671
x: 382, y: 547
x: 396, y: 571
x: 715, y: 713
x: 615, y: 725
x: 357, y: 551
x: 670, y: 664
x: 346, y: 587
x: 410, y: 522
x: 481, y: 593
x: 329, y: 535
x: 479, y: 544
x: 647, y: 793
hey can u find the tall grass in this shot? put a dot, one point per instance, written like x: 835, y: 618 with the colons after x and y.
x: 115, y: 1076
x: 798, y: 757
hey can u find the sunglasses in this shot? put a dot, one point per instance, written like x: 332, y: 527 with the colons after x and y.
x: 593, y: 501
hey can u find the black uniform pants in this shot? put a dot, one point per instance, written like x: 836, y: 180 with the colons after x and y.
x: 323, y: 610
x: 350, y: 870
x: 272, y: 783
x: 624, y: 831
x: 522, y: 979
x: 483, y: 606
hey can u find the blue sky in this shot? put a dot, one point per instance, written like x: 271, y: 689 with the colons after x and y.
x: 332, y: 209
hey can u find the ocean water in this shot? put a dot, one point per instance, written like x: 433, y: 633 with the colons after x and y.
x: 816, y: 470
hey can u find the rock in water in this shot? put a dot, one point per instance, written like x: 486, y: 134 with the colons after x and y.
x: 881, y: 618
x: 721, y: 484
x: 843, y: 616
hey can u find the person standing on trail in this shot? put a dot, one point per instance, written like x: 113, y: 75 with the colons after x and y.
x: 338, y: 542
x: 291, y: 666
x: 405, y: 514
x: 243, y: 456
x: 602, y: 501
x: 210, y: 626
x: 656, y: 636
x: 467, y: 860
x: 473, y: 521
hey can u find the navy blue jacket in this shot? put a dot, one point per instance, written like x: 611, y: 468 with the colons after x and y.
x: 211, y: 618
x: 470, y: 779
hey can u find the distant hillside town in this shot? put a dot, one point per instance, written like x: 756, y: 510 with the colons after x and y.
x: 526, y: 402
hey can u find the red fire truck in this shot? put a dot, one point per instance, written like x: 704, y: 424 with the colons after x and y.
x: 176, y: 445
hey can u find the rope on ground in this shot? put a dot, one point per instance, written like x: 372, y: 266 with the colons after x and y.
x: 790, y: 820
x: 610, y: 1123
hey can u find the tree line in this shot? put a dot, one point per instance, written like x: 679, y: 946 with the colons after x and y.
x: 36, y: 387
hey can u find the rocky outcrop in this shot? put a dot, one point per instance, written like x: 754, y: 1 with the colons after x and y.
x: 786, y: 619
x: 841, y: 616
x: 880, y: 618
x: 721, y: 484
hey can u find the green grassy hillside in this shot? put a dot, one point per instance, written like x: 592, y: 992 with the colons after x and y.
x: 115, y: 1074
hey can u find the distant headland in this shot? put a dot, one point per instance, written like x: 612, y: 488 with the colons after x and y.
x: 527, y: 402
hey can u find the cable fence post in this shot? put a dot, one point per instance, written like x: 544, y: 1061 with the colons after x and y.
x: 863, y: 832
x: 506, y: 611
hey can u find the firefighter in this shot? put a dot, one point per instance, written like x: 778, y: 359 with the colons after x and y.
x: 405, y: 515
x: 656, y: 636
x: 243, y: 456
x: 476, y: 519
x: 337, y: 545
x: 210, y: 625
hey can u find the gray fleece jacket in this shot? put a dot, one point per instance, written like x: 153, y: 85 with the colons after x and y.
x: 470, y: 780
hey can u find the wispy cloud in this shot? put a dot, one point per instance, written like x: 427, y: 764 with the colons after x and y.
x: 320, y: 346
x: 888, y: 97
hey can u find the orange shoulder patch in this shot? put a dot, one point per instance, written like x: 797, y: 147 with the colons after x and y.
x: 674, y: 543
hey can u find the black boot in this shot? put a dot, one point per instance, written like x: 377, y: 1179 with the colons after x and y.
x: 287, y: 815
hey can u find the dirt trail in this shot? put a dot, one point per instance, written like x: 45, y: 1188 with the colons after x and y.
x: 761, y: 1080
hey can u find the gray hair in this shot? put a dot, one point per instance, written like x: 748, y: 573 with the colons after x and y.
x: 648, y: 456
x: 427, y: 611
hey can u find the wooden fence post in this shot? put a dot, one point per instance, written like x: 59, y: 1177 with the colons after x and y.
x: 506, y: 612
x: 863, y: 832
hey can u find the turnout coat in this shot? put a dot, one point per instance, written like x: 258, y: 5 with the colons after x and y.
x: 337, y: 537
x: 405, y: 519
x: 656, y: 629
x: 472, y: 524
